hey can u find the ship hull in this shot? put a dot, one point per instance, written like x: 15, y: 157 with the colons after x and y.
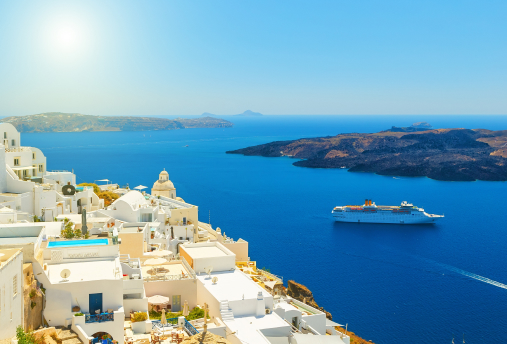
x: 392, y: 219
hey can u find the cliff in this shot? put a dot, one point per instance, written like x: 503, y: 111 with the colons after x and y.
x: 73, y: 122
x: 442, y: 154
x: 303, y: 294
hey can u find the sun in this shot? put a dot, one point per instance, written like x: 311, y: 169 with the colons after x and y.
x: 67, y: 37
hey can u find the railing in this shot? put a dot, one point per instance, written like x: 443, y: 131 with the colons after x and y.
x: 190, y: 328
x: 269, y: 274
x: 172, y: 322
x: 17, y: 149
x: 162, y: 277
x: 98, y: 318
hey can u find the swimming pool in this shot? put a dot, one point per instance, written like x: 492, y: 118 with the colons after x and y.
x: 72, y: 243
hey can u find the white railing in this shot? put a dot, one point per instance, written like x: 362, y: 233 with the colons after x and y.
x: 17, y: 149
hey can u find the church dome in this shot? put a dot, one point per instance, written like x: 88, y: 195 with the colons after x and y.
x: 163, y: 183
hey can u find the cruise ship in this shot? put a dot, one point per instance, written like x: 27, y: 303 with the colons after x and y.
x: 406, y: 213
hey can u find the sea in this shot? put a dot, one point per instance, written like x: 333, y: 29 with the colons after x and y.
x: 387, y: 283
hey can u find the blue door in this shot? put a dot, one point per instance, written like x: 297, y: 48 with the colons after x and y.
x: 95, y: 303
x: 176, y: 306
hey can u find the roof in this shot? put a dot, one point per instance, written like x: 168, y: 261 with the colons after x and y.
x: 132, y: 198
x: 311, y: 339
x: 204, y: 252
x: 163, y: 185
x: 248, y: 329
x: 95, y: 270
x: 232, y: 285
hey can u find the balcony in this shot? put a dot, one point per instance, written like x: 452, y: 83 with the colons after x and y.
x: 98, y: 318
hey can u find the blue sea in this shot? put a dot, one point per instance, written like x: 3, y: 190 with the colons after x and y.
x: 389, y: 283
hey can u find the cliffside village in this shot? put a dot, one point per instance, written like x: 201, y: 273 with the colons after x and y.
x: 142, y: 269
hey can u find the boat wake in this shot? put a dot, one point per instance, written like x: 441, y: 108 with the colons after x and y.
x: 438, y: 264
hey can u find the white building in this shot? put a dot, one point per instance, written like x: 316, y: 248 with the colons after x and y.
x: 11, y: 291
x: 87, y: 276
x: 26, y: 162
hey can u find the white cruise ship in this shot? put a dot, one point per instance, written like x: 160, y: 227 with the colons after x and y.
x: 406, y: 213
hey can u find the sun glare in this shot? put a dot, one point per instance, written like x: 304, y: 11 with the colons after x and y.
x: 66, y: 36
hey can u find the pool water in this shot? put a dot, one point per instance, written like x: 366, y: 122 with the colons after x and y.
x: 72, y: 243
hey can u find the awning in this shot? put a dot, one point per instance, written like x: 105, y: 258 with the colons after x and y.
x: 103, y: 180
x: 332, y: 323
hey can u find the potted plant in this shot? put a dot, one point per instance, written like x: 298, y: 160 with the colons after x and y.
x: 104, y: 339
x: 79, y: 314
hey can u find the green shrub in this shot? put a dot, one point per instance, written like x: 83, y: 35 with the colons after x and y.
x: 25, y: 337
x: 96, y: 188
x: 140, y: 316
x: 32, y: 294
x: 78, y: 314
x: 32, y: 304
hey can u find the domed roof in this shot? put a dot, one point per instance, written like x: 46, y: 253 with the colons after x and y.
x: 162, y: 185
x: 164, y: 172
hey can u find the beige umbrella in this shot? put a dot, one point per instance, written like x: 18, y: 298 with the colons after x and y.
x: 185, y: 309
x: 155, y: 261
x: 161, y: 253
x: 163, y: 319
x: 158, y: 300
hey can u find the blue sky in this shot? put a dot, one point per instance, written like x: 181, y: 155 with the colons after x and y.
x: 275, y: 57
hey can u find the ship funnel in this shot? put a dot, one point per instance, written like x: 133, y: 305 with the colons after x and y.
x: 370, y: 202
x: 365, y: 202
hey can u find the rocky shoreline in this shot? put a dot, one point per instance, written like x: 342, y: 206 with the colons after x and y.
x: 441, y: 154
x: 303, y: 294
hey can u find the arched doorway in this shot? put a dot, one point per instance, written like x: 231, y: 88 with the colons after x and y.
x: 102, y: 338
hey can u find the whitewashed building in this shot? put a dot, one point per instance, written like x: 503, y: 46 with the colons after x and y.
x: 11, y: 291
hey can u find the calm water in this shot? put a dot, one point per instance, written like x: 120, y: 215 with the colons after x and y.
x: 390, y: 283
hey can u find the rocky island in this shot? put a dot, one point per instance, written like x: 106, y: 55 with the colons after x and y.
x: 441, y: 154
x: 74, y: 122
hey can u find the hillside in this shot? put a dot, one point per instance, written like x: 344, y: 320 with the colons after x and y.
x: 73, y: 122
x: 442, y: 154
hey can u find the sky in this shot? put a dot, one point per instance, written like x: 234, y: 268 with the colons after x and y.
x: 274, y: 57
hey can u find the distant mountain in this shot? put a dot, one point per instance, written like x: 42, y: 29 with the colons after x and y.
x: 249, y: 113
x: 75, y: 122
x: 207, y: 114
x: 442, y: 154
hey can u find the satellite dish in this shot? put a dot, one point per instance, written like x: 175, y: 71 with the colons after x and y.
x: 214, y: 280
x: 65, y: 273
x: 208, y: 270
x: 68, y: 190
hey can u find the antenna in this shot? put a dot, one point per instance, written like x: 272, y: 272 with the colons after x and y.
x: 64, y: 274
x: 208, y: 270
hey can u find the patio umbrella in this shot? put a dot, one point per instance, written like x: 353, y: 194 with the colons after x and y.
x: 158, y: 300
x: 140, y: 187
x: 161, y: 253
x: 163, y: 319
x: 155, y: 261
x: 185, y: 309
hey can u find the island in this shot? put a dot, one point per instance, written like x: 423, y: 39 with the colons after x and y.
x: 75, y: 122
x: 441, y: 154
x: 249, y: 113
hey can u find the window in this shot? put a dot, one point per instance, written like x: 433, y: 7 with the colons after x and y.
x: 13, y: 143
x: 5, y: 135
x: 41, y: 168
x: 16, y: 161
x: 25, y: 173
x: 15, y: 285
x: 33, y: 155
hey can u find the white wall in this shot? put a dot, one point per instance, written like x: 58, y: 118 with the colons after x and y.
x: 61, y: 297
x: 11, y: 313
x: 187, y: 288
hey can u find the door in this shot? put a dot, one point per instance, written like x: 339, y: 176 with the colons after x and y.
x: 95, y: 303
x: 176, y: 306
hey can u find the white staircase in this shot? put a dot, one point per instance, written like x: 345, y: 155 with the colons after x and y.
x: 225, y: 311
